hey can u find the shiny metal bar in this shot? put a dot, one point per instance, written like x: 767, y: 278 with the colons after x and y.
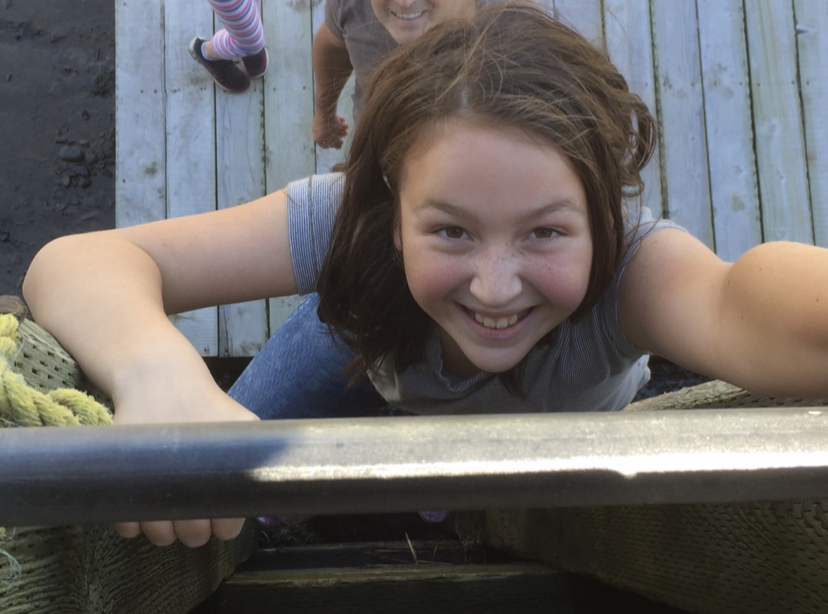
x: 105, y: 474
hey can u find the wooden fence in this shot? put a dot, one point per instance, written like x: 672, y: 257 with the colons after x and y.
x: 736, y: 86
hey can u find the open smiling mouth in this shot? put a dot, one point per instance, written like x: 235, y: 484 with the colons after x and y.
x: 408, y: 16
x: 498, y: 322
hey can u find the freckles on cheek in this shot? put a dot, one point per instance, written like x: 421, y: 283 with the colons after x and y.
x: 429, y: 281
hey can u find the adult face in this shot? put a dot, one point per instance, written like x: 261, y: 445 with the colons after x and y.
x: 406, y: 20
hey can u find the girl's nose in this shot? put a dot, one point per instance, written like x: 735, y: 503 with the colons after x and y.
x: 496, y: 281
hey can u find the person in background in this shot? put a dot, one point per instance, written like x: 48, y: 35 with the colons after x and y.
x: 242, y: 38
x: 355, y: 37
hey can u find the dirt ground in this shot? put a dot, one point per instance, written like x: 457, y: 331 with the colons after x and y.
x: 57, y: 125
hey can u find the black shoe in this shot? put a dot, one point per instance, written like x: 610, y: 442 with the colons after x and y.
x: 224, y: 72
x: 256, y: 64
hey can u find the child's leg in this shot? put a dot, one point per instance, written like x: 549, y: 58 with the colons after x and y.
x: 298, y: 374
x: 242, y: 35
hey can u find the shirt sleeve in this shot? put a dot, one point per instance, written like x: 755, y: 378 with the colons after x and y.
x: 312, y: 206
x: 333, y: 18
x: 640, y: 225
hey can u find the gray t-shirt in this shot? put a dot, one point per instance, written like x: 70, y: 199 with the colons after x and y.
x: 367, y: 40
x: 588, y: 365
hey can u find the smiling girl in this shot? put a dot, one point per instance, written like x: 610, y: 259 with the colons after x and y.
x: 477, y: 256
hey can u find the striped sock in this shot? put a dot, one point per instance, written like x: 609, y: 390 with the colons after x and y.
x: 243, y: 34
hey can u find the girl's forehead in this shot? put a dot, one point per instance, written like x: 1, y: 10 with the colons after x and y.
x: 471, y: 166
x: 463, y: 135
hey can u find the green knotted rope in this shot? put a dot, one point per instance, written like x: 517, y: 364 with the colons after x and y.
x: 22, y: 405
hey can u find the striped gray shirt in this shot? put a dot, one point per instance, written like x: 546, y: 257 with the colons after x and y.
x: 588, y: 366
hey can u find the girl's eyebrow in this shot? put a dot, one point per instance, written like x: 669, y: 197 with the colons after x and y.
x: 443, y: 206
x: 562, y: 204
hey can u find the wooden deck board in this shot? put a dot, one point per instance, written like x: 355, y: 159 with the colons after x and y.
x: 240, y: 160
x: 289, y: 147
x: 190, y: 144
x: 628, y: 39
x: 734, y: 191
x: 685, y: 180
x: 812, y: 39
x: 140, y: 189
x: 738, y: 88
x: 777, y: 117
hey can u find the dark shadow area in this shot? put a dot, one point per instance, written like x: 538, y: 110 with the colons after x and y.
x: 57, y: 126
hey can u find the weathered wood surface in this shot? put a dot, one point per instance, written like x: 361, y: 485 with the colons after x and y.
x: 734, y: 192
x: 739, y: 90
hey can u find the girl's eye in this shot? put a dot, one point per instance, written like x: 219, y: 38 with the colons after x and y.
x: 453, y: 232
x: 544, y: 233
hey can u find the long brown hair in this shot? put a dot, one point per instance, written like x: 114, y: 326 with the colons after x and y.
x: 510, y: 66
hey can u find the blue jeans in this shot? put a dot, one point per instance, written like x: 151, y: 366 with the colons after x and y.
x: 299, y: 374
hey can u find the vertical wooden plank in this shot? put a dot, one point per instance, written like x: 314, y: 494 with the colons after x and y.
x: 812, y: 38
x: 585, y: 16
x: 683, y: 144
x: 729, y: 124
x: 327, y: 158
x: 240, y: 172
x: 288, y: 85
x: 548, y: 6
x: 191, y: 175
x: 780, y: 147
x: 629, y: 43
x: 140, y: 188
x: 289, y: 147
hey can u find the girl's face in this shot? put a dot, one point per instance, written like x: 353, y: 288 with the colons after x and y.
x: 495, y: 237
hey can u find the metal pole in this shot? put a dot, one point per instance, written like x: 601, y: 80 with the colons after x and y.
x: 54, y: 475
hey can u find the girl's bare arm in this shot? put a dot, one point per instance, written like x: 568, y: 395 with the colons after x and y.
x: 106, y: 296
x: 760, y: 323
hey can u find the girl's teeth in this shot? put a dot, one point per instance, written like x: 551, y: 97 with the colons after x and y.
x: 499, y: 323
x: 408, y: 15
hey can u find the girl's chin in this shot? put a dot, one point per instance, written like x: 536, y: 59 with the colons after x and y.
x: 493, y: 361
x: 405, y: 32
x: 497, y: 367
x: 465, y: 357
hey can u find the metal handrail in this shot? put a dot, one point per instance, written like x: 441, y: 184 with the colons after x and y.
x: 60, y: 475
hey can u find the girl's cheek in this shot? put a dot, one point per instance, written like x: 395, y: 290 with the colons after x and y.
x: 565, y: 286
x: 433, y: 277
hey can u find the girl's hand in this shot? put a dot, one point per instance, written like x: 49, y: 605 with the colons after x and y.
x: 191, y: 533
x: 190, y: 396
